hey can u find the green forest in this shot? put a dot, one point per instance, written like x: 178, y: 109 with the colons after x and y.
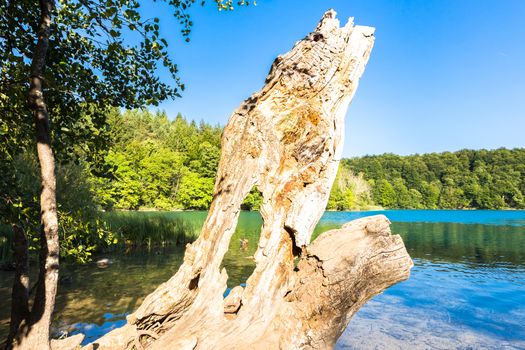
x: 158, y: 163
x: 466, y: 179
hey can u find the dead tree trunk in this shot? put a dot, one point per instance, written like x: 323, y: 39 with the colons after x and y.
x: 287, y: 141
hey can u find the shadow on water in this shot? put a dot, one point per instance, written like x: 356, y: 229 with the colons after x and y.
x: 467, y: 278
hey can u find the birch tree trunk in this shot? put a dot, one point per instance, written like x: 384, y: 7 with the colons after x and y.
x: 30, y: 330
x: 287, y: 140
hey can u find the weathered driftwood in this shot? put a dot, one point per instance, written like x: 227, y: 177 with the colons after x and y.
x: 286, y: 140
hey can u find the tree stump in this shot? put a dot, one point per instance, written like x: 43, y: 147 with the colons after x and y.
x: 287, y: 140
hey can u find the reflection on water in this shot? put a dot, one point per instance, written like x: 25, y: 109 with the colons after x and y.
x: 100, y: 297
x: 467, y: 288
x: 476, y: 244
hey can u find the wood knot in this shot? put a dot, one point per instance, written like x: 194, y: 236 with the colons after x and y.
x: 316, y: 36
x: 232, y: 302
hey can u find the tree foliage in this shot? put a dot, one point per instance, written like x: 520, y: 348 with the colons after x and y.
x: 80, y: 230
x: 479, y: 179
x: 159, y: 163
x: 350, y: 191
x: 102, y: 55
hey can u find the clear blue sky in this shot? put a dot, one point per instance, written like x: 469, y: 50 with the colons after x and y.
x: 443, y: 75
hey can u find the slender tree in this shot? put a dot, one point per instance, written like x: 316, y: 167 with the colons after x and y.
x: 88, y: 56
x: 36, y: 326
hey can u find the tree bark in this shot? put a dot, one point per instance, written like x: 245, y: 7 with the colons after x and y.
x: 34, y: 332
x: 20, y: 293
x: 287, y: 141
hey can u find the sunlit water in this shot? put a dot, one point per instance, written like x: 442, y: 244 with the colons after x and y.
x: 466, y: 290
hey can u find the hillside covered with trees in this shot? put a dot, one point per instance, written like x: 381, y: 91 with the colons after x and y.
x: 170, y: 164
x: 477, y: 179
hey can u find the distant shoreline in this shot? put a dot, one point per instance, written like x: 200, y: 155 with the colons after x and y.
x: 157, y: 210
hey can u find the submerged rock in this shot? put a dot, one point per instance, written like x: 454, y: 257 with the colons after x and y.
x: 103, y: 263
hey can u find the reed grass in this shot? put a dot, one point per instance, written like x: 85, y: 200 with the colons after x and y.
x: 131, y: 229
x: 149, y: 228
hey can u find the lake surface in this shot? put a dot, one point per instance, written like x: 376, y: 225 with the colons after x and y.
x: 466, y: 290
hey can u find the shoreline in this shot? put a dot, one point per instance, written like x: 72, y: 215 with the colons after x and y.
x: 156, y: 210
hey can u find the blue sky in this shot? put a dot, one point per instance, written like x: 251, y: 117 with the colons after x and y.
x: 443, y: 75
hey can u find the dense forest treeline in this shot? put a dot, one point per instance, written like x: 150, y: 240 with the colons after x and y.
x: 168, y: 164
x: 171, y: 164
x: 478, y: 179
x: 159, y: 163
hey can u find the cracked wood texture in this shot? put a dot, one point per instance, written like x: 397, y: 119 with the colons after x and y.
x: 287, y: 140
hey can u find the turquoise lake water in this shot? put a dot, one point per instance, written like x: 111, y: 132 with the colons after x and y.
x: 466, y: 290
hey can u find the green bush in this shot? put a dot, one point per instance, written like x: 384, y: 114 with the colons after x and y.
x: 79, y: 230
